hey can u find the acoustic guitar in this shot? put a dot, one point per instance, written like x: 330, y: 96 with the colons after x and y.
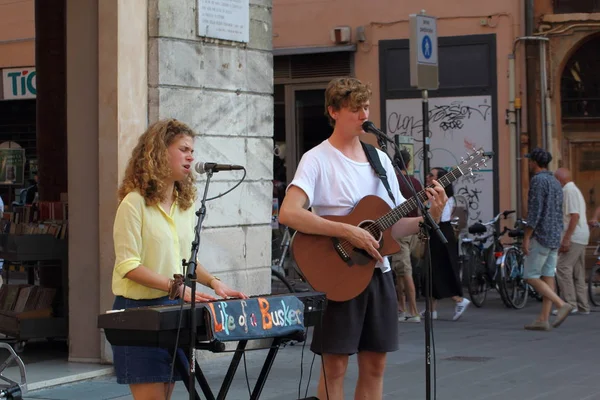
x: 341, y: 271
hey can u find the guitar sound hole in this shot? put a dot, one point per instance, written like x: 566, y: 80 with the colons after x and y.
x: 372, y: 228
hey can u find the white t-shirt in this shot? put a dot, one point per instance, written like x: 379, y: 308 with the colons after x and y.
x: 448, y: 208
x: 334, y: 183
x: 574, y: 203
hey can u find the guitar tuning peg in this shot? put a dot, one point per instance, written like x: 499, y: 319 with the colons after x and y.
x: 474, y: 150
x: 462, y: 160
x: 471, y: 171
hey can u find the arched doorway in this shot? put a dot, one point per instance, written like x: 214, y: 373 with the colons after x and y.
x: 580, y: 106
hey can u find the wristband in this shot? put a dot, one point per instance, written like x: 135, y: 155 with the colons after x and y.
x: 212, y: 279
x: 177, y: 286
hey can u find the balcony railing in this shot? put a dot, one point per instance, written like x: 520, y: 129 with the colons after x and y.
x: 576, y: 6
x: 581, y: 108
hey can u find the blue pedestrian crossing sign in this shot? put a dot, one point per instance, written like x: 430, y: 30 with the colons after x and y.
x: 427, y: 47
x: 427, y: 40
x: 423, y: 51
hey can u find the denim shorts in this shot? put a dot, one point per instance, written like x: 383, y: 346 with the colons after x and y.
x: 541, y: 261
x: 137, y: 364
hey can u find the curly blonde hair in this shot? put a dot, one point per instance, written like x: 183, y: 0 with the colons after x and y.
x: 345, y: 92
x: 148, y: 168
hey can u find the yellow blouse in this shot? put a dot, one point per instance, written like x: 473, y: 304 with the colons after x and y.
x: 147, y: 235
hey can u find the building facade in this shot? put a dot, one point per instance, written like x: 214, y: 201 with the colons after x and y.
x: 572, y: 29
x: 105, y: 70
x: 493, y: 92
x: 371, y: 42
x: 513, y: 75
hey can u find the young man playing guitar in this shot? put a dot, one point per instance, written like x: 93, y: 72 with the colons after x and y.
x: 331, y: 178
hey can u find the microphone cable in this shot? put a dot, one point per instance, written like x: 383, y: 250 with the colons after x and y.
x: 310, y: 375
x: 231, y: 189
x: 427, y: 262
x: 322, y: 358
x: 246, y: 374
x: 176, y: 347
x: 302, y: 365
x: 181, y: 302
x: 428, y: 282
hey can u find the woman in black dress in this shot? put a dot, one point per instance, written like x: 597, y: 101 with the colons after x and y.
x: 444, y: 257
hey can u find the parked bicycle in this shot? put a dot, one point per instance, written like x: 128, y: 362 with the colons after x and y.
x: 284, y: 278
x: 479, y: 259
x: 594, y: 279
x: 513, y: 284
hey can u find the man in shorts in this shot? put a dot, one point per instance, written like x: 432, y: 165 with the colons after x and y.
x: 331, y: 179
x: 542, y: 238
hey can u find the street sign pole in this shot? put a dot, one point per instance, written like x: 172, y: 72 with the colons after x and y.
x: 424, y: 68
x: 424, y: 75
x: 426, y: 138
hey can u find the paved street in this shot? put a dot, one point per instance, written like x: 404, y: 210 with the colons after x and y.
x: 486, y: 355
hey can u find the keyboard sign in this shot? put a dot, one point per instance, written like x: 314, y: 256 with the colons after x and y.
x: 255, y: 318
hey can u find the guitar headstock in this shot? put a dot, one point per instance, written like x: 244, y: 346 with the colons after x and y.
x: 474, y: 161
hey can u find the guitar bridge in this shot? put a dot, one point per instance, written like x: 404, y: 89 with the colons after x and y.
x: 337, y: 245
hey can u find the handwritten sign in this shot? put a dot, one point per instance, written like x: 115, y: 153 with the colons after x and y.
x: 256, y: 318
x: 457, y: 125
x: 224, y: 19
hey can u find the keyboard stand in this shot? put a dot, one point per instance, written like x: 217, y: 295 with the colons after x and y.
x: 183, y: 367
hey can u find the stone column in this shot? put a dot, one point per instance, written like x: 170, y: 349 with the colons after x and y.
x: 107, y: 111
x: 123, y: 117
x: 82, y: 123
x: 223, y: 90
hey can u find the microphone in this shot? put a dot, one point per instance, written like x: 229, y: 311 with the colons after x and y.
x: 368, y: 126
x: 203, y: 167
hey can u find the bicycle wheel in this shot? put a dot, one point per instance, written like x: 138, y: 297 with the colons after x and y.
x: 594, y: 285
x: 279, y: 283
x: 477, y: 284
x: 512, y: 283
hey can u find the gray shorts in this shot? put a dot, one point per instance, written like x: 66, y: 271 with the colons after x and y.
x: 369, y: 322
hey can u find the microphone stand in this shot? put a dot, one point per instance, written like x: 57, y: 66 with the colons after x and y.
x: 382, y: 142
x: 428, y: 225
x: 191, y: 279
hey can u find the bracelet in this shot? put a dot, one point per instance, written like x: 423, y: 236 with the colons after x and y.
x: 212, y: 279
x: 177, y: 287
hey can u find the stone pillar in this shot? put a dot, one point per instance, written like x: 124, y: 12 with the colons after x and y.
x: 50, y: 63
x: 107, y: 110
x: 82, y: 122
x: 223, y: 90
x: 123, y: 117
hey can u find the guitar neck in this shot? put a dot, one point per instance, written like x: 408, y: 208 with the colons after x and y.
x: 408, y: 206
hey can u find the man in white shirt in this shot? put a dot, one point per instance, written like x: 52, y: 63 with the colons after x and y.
x: 331, y: 179
x: 570, y: 269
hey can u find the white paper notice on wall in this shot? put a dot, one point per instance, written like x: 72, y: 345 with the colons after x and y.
x: 457, y: 126
x: 224, y: 19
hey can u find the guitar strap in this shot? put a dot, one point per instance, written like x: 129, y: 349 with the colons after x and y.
x: 375, y: 162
